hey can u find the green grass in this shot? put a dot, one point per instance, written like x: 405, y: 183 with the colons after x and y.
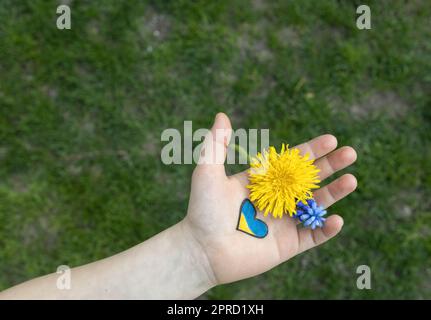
x: 81, y: 113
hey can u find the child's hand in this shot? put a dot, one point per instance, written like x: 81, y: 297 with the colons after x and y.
x: 215, y: 202
x: 204, y: 249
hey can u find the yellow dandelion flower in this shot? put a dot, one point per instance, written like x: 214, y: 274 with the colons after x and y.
x: 278, y: 181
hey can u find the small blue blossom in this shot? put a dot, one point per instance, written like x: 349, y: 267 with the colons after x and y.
x: 310, y: 214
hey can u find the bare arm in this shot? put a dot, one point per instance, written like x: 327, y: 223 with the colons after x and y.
x: 170, y: 265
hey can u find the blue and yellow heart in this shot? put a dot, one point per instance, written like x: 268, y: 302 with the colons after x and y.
x: 248, y: 223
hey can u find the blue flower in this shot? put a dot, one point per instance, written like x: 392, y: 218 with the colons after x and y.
x: 310, y: 214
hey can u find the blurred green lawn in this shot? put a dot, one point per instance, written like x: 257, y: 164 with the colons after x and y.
x: 81, y: 113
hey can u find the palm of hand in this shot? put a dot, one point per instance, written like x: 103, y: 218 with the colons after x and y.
x: 214, y: 209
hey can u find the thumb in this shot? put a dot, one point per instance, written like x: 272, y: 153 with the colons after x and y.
x: 214, y: 147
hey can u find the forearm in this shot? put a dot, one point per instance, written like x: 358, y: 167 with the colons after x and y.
x: 170, y: 265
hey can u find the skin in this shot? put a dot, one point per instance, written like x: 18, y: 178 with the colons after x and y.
x: 205, y: 249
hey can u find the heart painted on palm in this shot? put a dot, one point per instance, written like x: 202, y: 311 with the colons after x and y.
x: 248, y: 223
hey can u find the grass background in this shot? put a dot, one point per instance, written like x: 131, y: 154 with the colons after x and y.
x: 81, y: 113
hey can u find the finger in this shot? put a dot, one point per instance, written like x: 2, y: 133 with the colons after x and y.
x: 335, y: 161
x: 309, y: 238
x: 213, y: 151
x: 336, y: 190
x: 318, y: 147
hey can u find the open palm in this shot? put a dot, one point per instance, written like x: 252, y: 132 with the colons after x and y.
x: 215, y: 202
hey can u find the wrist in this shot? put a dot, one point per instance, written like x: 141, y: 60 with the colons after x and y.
x: 197, y: 255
